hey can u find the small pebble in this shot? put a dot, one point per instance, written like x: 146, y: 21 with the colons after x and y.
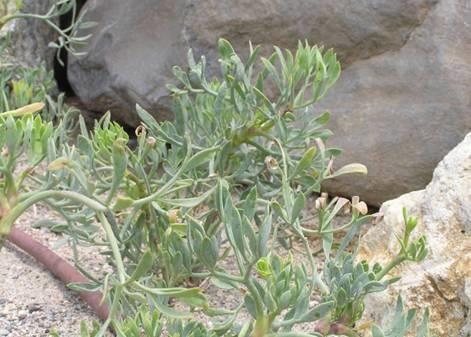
x: 32, y: 307
x: 22, y: 314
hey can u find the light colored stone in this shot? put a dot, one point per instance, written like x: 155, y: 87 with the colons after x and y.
x: 442, y: 281
x: 4, y: 332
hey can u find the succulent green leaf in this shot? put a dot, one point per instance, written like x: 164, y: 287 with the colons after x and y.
x: 318, y: 312
x: 264, y: 232
x: 146, y: 118
x: 24, y: 111
x: 349, y: 169
x: 201, y: 158
x: 143, y: 267
x: 250, y: 203
x: 264, y: 268
x: 209, y: 252
x: 299, y: 204
x: 120, y: 162
x: 423, y: 329
x: 84, y: 287
x: 376, y: 331
x: 323, y: 118
x: 225, y: 49
x: 305, y: 162
x: 250, y: 305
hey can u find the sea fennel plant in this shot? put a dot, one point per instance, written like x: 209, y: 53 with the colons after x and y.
x: 174, y: 171
x: 229, y: 177
x: 24, y: 139
x: 228, y: 180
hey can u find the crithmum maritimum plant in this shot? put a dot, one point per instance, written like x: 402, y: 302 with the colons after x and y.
x: 228, y: 180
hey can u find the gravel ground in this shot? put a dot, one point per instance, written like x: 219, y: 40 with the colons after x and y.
x: 32, y: 301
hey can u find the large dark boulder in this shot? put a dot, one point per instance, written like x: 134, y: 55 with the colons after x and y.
x: 402, y: 102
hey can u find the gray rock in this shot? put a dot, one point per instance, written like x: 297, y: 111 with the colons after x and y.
x: 129, y: 59
x: 442, y: 281
x: 30, y: 38
x: 400, y: 112
x: 401, y: 104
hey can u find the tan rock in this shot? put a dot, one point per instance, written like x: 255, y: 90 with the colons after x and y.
x: 443, y: 281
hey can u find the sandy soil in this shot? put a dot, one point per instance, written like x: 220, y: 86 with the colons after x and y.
x: 32, y: 301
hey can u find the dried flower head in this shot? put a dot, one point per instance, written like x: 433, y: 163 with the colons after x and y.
x: 321, y: 202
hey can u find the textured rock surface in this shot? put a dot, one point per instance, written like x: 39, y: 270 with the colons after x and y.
x: 442, y: 282
x: 135, y: 44
x: 30, y: 38
x: 130, y: 56
x: 403, y: 102
x: 400, y: 112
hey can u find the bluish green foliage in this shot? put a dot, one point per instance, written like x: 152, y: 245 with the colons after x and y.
x: 229, y: 179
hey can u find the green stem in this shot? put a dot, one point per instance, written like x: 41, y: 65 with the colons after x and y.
x: 5, y: 19
x: 114, y: 246
x: 113, y: 312
x: 138, y: 203
x: 24, y: 175
x: 10, y: 186
x: 283, y: 156
x: 333, y: 230
x: 304, y: 105
x: 45, y: 18
x: 228, y: 277
x: 316, y: 276
x: 262, y: 326
x: 396, y: 261
x: 253, y: 290
x: 6, y: 223
x: 263, y: 149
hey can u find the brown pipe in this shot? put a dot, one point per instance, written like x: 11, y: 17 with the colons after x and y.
x: 59, y: 267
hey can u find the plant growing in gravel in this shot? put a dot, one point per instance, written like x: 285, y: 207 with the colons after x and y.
x: 277, y: 292
x: 21, y: 134
x: 27, y: 142
x: 148, y: 191
x: 146, y: 324
x: 246, y: 135
x: 21, y: 86
x: 226, y: 181
x: 35, y: 139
